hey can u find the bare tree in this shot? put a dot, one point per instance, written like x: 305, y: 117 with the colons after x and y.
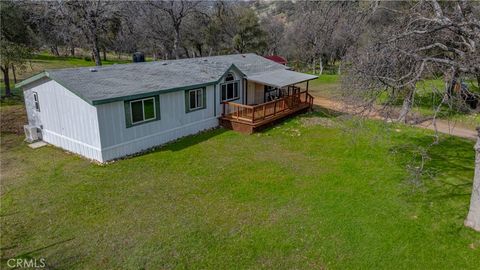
x: 177, y: 11
x: 91, y: 18
x: 416, y: 41
x: 322, y: 31
x: 16, y: 41
x: 274, y: 27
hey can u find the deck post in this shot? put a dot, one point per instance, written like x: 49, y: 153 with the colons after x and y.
x: 223, y: 112
x: 264, y: 109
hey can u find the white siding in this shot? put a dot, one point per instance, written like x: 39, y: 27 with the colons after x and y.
x: 118, y: 140
x: 100, y: 132
x: 66, y: 120
x: 255, y: 93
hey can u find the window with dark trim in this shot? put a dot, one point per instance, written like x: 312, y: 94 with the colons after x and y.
x: 229, y: 89
x: 142, y: 110
x: 35, y: 100
x: 195, y: 99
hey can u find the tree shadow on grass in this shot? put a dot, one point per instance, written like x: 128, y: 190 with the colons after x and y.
x: 191, y: 140
x: 64, y: 263
x: 449, y: 168
x: 446, y: 183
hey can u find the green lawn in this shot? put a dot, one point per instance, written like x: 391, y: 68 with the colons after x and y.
x: 325, y: 86
x: 430, y: 94
x: 297, y: 196
x: 425, y: 102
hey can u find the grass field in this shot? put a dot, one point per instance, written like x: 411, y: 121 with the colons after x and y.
x: 307, y: 194
x: 425, y: 102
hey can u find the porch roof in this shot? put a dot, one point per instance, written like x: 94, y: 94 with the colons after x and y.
x: 281, y: 77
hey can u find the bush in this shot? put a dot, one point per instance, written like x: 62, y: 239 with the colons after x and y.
x: 87, y: 58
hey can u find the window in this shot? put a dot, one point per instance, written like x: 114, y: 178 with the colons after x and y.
x: 142, y: 110
x: 195, y: 99
x: 229, y: 77
x: 272, y: 93
x: 35, y: 100
x: 229, y: 88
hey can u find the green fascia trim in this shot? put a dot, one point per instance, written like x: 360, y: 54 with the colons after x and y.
x: 75, y: 93
x: 129, y: 97
x: 164, y: 91
x: 158, y: 92
x: 228, y: 70
x: 31, y: 79
x: 44, y: 74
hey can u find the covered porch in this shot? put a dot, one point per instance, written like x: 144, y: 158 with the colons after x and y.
x: 276, y: 95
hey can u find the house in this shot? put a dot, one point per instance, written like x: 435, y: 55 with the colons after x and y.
x: 108, y: 112
x: 278, y: 59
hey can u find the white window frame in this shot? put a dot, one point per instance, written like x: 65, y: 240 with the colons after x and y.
x: 36, y: 103
x: 197, y: 107
x: 143, y: 110
x: 226, y: 90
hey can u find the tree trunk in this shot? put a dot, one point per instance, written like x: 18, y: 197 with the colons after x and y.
x: 339, y: 69
x: 186, y: 51
x: 473, y: 217
x: 6, y: 80
x: 54, y: 50
x: 320, y: 71
x: 314, y: 66
x: 407, y: 105
x: 96, y: 54
x: 176, y: 42
x: 14, y: 74
x: 72, y: 51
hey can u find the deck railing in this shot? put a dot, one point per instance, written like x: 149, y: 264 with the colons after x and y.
x: 255, y: 113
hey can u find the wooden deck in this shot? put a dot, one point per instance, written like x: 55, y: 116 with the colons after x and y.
x: 249, y: 118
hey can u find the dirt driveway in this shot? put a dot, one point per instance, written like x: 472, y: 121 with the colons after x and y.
x: 442, y: 126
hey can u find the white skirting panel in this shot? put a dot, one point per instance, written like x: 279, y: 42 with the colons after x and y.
x: 72, y: 145
x: 152, y: 140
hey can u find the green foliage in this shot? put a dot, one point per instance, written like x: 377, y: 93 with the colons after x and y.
x: 312, y: 196
x: 16, y: 42
x: 250, y: 37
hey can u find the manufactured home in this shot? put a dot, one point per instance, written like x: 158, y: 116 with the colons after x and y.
x: 108, y: 112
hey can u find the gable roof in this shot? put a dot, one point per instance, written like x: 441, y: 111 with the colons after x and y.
x: 277, y: 58
x: 118, y: 82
